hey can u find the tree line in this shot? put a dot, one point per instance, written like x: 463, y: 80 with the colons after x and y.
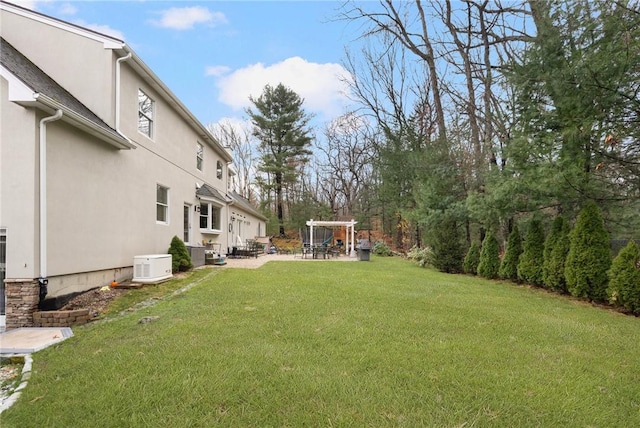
x: 472, y: 117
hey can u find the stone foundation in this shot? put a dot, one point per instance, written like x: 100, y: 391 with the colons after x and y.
x: 61, y: 318
x: 22, y: 297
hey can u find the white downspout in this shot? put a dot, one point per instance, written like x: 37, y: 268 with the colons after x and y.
x: 117, y: 113
x: 43, y: 193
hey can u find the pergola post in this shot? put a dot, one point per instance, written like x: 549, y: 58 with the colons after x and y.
x: 353, y: 240
x: 347, y: 224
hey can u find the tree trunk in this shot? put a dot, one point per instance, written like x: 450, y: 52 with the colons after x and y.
x: 279, y: 203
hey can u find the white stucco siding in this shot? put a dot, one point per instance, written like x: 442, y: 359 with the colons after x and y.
x: 80, y: 65
x: 102, y: 203
x: 18, y: 186
x: 173, y: 137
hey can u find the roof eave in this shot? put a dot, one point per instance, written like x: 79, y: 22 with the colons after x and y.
x: 158, y: 85
x: 113, y: 138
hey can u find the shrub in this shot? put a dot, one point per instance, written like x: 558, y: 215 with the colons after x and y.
x: 589, y: 256
x: 489, y: 265
x: 382, y: 249
x: 180, y: 259
x: 509, y: 265
x: 532, y: 257
x: 472, y: 259
x: 422, y: 256
x: 624, y: 279
x: 448, y: 250
x: 556, y: 248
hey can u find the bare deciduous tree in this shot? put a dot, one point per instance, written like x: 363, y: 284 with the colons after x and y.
x: 238, y: 139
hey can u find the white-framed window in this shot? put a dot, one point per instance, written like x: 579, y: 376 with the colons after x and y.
x: 219, y: 170
x: 162, y: 204
x: 210, y: 216
x: 145, y: 114
x: 199, y: 156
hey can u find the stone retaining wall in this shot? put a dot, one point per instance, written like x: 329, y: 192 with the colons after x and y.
x: 61, y: 318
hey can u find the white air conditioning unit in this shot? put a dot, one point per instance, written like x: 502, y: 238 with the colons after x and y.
x: 152, y: 268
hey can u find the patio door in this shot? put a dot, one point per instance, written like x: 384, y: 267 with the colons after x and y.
x: 187, y: 223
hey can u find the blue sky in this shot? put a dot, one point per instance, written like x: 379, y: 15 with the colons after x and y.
x: 213, y: 54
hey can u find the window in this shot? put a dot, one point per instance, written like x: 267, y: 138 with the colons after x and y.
x: 145, y: 114
x: 219, y: 170
x: 199, y: 156
x: 162, y: 204
x: 209, y: 216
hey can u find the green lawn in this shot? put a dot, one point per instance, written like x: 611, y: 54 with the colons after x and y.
x: 379, y: 343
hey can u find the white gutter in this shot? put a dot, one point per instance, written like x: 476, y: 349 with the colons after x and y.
x: 118, y: 140
x: 118, y: 61
x: 158, y: 85
x: 43, y: 193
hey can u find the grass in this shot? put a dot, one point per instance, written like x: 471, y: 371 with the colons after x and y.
x: 380, y: 343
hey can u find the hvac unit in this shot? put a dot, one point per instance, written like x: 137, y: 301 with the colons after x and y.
x: 152, y: 269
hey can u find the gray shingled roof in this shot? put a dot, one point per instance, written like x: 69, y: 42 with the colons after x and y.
x: 40, y: 82
x: 206, y: 191
x: 246, y: 205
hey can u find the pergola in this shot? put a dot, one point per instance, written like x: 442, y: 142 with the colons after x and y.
x: 348, y: 224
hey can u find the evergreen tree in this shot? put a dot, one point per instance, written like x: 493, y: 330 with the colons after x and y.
x: 180, y: 258
x: 576, y: 87
x: 472, y: 259
x: 489, y: 265
x: 282, y: 127
x: 448, y: 250
x: 556, y: 248
x: 532, y: 258
x: 624, y: 279
x: 589, y: 256
x: 509, y: 265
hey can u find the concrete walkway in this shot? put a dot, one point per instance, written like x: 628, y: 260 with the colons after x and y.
x: 254, y: 263
x: 27, y: 340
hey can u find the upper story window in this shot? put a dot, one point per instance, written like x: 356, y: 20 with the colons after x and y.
x: 162, y: 204
x: 145, y: 114
x: 199, y: 156
x: 219, y: 170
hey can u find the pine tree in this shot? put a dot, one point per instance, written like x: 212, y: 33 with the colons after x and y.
x: 532, y: 258
x: 556, y: 248
x: 282, y: 127
x: 448, y: 251
x: 624, y: 279
x: 509, y: 265
x: 472, y: 259
x: 589, y: 256
x: 489, y: 257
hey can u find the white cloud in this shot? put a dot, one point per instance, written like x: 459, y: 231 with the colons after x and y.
x: 217, y: 70
x: 185, y: 18
x: 320, y: 85
x: 103, y: 29
x: 240, y: 126
x: 62, y: 8
x: 68, y: 9
x: 27, y: 4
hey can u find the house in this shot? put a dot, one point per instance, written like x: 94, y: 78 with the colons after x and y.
x: 99, y: 162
